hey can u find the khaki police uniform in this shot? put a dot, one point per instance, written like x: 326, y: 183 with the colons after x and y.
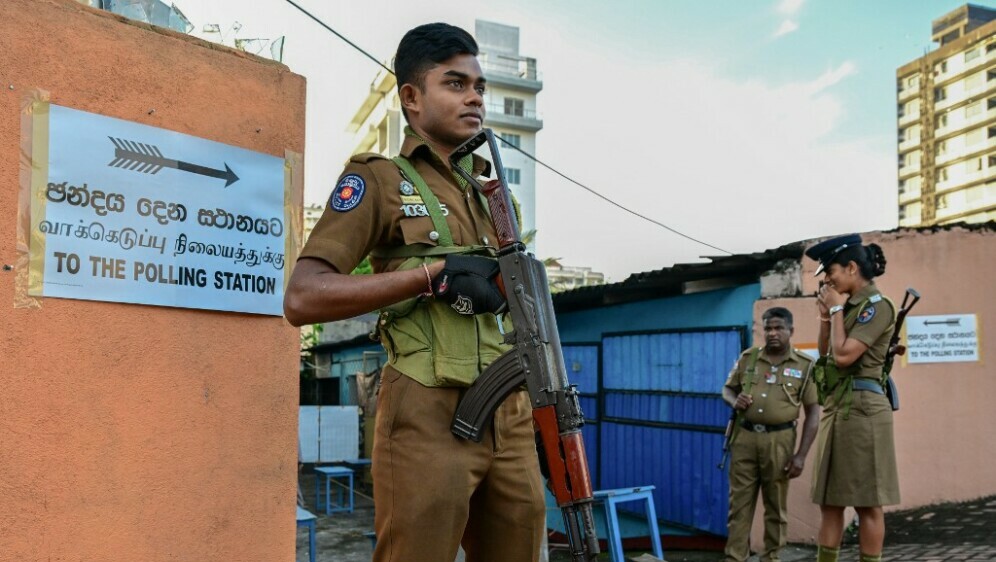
x: 855, y: 462
x: 433, y: 490
x: 764, y: 444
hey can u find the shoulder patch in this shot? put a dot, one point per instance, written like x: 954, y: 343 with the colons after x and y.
x: 366, y: 157
x: 867, y: 314
x: 875, y: 298
x: 348, y: 193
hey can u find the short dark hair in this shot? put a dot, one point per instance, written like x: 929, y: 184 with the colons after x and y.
x: 870, y: 259
x: 426, y: 46
x: 778, y: 312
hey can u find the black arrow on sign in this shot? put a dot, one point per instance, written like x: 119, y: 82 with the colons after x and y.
x: 949, y: 322
x: 146, y: 158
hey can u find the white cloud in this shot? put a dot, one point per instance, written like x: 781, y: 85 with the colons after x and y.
x: 789, y: 7
x: 742, y: 165
x: 831, y: 77
x: 788, y: 26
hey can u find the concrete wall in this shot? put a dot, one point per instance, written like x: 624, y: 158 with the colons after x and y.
x: 943, y: 452
x: 138, y: 432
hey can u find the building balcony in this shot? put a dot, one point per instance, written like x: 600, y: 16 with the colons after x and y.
x: 526, y: 120
x: 519, y: 75
x: 909, y: 196
x: 959, y: 125
x: 955, y: 183
x: 910, y: 144
x: 909, y: 118
x: 907, y: 93
x: 958, y: 71
x: 909, y: 170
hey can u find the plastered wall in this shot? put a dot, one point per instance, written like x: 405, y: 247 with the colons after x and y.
x: 943, y: 450
x: 134, y: 432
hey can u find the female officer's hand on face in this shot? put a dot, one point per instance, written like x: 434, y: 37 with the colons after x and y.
x: 829, y: 297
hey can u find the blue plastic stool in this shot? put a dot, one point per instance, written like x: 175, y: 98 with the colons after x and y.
x: 609, y: 499
x: 344, y: 502
x: 307, y: 519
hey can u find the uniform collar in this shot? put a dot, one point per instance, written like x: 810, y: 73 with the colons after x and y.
x: 764, y: 355
x: 858, y: 297
x: 415, y: 146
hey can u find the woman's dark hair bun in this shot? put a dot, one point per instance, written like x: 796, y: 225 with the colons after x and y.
x: 877, y: 259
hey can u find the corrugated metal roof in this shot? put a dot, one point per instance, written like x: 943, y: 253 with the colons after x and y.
x: 718, y: 272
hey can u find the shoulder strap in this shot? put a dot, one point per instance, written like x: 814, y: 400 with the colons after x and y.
x: 430, y: 199
x: 751, y: 369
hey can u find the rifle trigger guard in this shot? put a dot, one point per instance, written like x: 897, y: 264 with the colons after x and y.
x: 501, y: 323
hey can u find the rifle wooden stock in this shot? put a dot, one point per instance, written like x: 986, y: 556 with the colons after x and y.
x: 537, y: 360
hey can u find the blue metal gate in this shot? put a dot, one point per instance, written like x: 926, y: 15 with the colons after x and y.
x: 660, y: 420
x: 582, y: 370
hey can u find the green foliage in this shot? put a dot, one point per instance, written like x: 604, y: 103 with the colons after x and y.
x: 311, y: 335
x: 364, y: 267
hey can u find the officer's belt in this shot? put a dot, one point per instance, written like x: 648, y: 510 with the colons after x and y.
x: 761, y: 428
x: 871, y: 385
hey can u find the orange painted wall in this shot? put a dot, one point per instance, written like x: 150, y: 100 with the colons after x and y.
x: 943, y: 450
x: 137, y: 432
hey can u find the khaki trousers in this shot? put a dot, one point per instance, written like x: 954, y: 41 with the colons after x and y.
x: 434, y: 492
x: 757, y: 461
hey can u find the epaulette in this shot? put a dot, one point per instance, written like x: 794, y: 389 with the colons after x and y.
x: 365, y: 157
x: 804, y: 356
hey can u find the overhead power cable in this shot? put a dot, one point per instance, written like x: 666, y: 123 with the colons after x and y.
x: 530, y: 156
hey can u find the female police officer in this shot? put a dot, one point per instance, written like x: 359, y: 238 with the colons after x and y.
x: 856, y: 460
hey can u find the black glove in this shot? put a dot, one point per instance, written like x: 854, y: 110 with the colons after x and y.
x: 469, y: 284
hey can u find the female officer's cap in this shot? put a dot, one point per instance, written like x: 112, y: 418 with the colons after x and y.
x: 825, y: 251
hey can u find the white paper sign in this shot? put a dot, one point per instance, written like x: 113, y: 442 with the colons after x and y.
x: 138, y: 214
x: 947, y: 338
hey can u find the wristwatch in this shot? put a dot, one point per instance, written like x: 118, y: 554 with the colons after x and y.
x: 835, y: 309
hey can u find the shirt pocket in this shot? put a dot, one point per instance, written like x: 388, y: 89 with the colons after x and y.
x: 418, y: 230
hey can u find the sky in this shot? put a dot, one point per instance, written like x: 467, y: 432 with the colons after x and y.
x: 744, y: 124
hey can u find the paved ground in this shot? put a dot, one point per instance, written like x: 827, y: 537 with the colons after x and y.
x: 964, y: 532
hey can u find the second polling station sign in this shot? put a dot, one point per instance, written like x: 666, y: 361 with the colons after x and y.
x: 131, y: 213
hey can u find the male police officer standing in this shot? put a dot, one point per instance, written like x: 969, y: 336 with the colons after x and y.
x: 767, y: 386
x: 428, y: 235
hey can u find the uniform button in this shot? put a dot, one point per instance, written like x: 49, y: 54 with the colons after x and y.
x: 764, y: 395
x: 433, y: 236
x: 484, y: 239
x: 759, y: 410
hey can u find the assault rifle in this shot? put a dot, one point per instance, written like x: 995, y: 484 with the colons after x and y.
x: 895, y: 348
x: 731, y: 427
x: 536, y: 360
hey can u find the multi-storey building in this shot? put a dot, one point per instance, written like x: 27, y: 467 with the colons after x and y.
x: 311, y: 215
x: 947, y: 123
x: 510, y: 103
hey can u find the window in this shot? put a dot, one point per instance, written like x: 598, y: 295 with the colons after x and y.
x: 975, y: 137
x: 973, y: 109
x: 992, y: 132
x: 942, y: 201
x: 941, y: 174
x: 941, y: 67
x: 512, y: 139
x: 991, y: 47
x: 973, y: 165
x: 940, y: 148
x: 939, y: 94
x: 513, y: 176
x: 992, y: 161
x: 972, y: 55
x: 942, y: 120
x: 902, y: 187
x: 514, y: 106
